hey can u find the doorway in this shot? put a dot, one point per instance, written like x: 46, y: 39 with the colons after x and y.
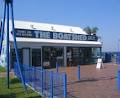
x: 36, y: 57
x: 51, y: 55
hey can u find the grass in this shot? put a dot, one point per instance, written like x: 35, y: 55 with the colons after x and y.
x: 2, y: 69
x: 16, y: 90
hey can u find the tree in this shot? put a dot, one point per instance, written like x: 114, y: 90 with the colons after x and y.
x: 90, y: 31
x: 94, y: 30
x: 87, y: 30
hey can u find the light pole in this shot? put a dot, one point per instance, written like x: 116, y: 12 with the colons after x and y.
x: 118, y: 45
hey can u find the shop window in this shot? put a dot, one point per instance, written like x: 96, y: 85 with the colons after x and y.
x: 79, y: 55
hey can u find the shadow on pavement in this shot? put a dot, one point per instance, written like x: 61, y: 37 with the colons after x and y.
x: 92, y: 80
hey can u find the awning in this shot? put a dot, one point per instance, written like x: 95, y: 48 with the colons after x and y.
x: 49, y: 42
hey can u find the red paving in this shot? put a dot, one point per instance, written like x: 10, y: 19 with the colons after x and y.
x: 4, y: 74
x: 94, y: 83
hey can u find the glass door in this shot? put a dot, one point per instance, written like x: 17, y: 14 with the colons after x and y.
x: 36, y: 57
x: 51, y: 55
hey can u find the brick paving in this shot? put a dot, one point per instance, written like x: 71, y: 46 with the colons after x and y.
x: 4, y: 74
x: 94, y: 83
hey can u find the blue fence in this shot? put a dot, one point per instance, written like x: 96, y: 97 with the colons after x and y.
x: 118, y: 62
x: 118, y: 57
x: 48, y: 83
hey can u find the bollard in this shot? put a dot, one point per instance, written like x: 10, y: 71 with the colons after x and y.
x: 78, y: 73
x: 57, y: 67
x: 51, y: 83
x: 65, y: 85
x: 119, y: 79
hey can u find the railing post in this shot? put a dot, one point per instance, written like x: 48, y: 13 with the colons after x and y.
x: 23, y: 71
x: 57, y: 67
x: 29, y: 72
x: 78, y: 73
x: 119, y: 79
x: 34, y: 77
x: 42, y: 84
x: 65, y: 85
x: 51, y: 83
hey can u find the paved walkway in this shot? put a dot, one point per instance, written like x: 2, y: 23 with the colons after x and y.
x: 94, y: 83
x: 4, y: 74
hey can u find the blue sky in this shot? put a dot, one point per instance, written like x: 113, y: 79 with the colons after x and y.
x: 104, y: 14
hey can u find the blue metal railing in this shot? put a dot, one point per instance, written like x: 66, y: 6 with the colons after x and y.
x: 48, y: 83
x: 118, y: 80
x: 118, y: 74
x: 118, y: 58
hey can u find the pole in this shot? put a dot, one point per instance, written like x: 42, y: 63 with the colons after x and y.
x: 15, y: 46
x: 65, y: 85
x: 7, y: 3
x: 118, y: 45
x: 41, y: 57
x: 7, y: 45
x: 100, y: 52
x: 57, y: 67
x: 2, y: 29
x: 65, y: 56
x: 42, y: 81
x: 78, y: 73
x: 119, y: 79
x: 51, y: 83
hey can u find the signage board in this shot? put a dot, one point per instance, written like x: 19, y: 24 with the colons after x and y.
x: 54, y: 35
x: 99, y: 63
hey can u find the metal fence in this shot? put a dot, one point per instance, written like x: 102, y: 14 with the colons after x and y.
x: 118, y: 57
x: 48, y: 83
x: 118, y: 62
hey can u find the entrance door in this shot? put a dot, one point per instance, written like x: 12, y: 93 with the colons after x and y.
x: 26, y: 56
x: 36, y: 57
x: 51, y: 55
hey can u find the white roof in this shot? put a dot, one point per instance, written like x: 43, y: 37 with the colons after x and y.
x: 48, y: 27
x: 53, y: 28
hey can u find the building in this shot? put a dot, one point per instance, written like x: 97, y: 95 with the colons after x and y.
x: 45, y: 44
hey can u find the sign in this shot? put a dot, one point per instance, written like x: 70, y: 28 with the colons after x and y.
x: 99, y: 63
x: 54, y: 35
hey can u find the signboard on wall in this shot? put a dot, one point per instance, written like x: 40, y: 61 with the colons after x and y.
x: 54, y: 35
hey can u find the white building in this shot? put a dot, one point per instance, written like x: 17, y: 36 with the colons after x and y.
x: 45, y: 44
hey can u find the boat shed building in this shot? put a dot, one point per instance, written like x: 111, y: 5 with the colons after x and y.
x: 45, y: 44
